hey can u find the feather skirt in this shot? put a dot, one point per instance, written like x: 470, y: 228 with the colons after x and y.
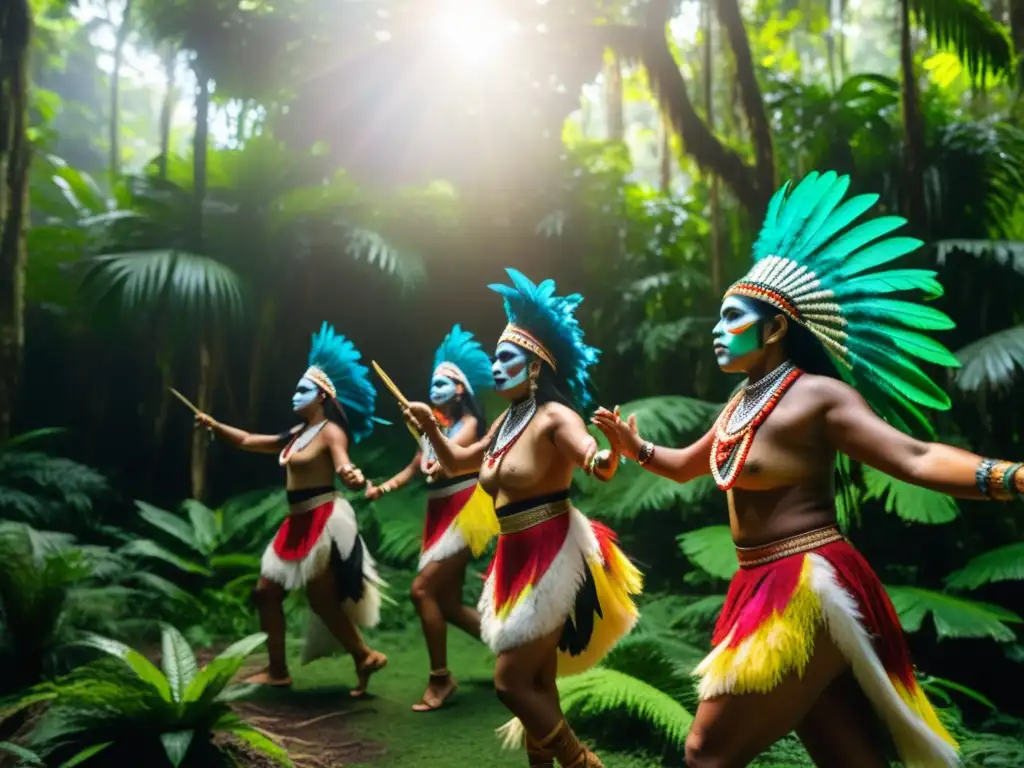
x: 320, y: 534
x: 460, y: 515
x: 767, y: 627
x: 564, y: 572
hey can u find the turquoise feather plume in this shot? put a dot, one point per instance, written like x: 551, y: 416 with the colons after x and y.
x: 339, y: 359
x: 815, y: 261
x: 463, y: 351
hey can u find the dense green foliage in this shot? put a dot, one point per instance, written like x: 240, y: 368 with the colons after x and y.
x: 210, y: 180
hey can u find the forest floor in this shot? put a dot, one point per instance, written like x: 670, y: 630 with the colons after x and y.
x: 323, y: 727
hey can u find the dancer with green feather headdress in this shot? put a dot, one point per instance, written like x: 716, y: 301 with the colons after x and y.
x: 318, y: 547
x: 808, y: 639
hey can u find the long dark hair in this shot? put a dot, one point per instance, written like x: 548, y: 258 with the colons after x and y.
x: 800, y: 345
x: 469, y: 405
x: 335, y: 411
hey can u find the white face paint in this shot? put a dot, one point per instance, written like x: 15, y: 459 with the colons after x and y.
x: 511, y: 366
x: 306, y: 393
x: 443, y: 390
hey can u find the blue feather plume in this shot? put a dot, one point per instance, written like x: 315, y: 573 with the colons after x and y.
x: 462, y: 350
x: 339, y: 359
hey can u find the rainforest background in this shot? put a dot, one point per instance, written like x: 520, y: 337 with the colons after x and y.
x: 190, y: 187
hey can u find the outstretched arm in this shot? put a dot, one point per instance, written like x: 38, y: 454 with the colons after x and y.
x: 247, y: 441
x: 337, y: 444
x: 402, y: 478
x: 572, y: 439
x: 679, y: 464
x: 854, y: 429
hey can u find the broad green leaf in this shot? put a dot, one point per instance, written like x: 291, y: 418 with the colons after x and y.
x: 910, y: 502
x: 138, y: 663
x: 86, y: 754
x: 711, y: 549
x: 24, y: 755
x: 149, y: 548
x: 600, y: 691
x: 204, y: 524
x: 212, y: 678
x: 164, y: 587
x: 1002, y: 564
x: 176, y: 745
x: 635, y: 491
x: 179, y: 661
x: 953, y: 616
x: 170, y: 523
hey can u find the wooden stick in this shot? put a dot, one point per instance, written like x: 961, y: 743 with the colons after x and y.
x: 402, y: 399
x: 185, y: 400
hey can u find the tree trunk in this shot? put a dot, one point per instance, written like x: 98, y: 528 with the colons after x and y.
x: 750, y: 94
x: 200, y: 440
x: 115, y: 91
x: 15, y: 34
x: 257, y: 360
x: 709, y: 106
x: 913, y: 126
x: 665, y: 156
x: 1017, y: 31
x: 614, y: 110
x: 167, y: 108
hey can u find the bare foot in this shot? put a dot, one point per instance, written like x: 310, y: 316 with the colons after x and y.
x: 265, y: 678
x: 438, y: 690
x: 374, y: 662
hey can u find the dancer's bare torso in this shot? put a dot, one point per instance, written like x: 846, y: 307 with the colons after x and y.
x: 541, y: 461
x: 787, y: 485
x: 314, y: 465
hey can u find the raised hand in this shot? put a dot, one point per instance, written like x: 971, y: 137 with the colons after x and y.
x: 352, y: 476
x: 204, y: 420
x: 622, y: 435
x: 418, y: 416
x: 373, y: 492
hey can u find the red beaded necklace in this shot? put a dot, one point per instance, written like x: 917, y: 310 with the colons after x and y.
x: 729, y: 452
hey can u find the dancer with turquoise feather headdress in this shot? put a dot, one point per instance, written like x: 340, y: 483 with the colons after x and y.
x: 318, y: 547
x: 460, y: 520
x: 808, y: 639
x: 559, y: 593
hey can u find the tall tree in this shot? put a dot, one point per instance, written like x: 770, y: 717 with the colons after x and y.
x: 15, y: 35
x: 121, y: 37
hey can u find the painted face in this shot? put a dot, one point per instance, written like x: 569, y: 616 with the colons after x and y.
x: 511, y: 366
x: 738, y: 332
x: 443, y: 390
x: 306, y: 393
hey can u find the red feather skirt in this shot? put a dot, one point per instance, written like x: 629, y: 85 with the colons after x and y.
x: 767, y: 628
x: 460, y: 515
x: 565, y: 572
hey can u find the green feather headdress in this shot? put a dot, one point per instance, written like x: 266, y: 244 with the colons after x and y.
x: 814, y: 267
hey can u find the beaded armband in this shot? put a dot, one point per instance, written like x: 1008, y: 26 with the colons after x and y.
x: 999, y: 480
x: 646, y: 453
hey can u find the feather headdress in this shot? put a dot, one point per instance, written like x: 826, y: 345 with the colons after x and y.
x: 461, y: 357
x: 334, y: 367
x: 810, y: 264
x: 545, y: 324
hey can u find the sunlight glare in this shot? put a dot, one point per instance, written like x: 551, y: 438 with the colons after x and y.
x: 473, y: 33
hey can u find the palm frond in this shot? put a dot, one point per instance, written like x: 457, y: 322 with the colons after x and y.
x: 1002, y: 564
x: 953, y: 616
x: 600, y: 691
x: 992, y: 362
x: 711, y: 549
x: 671, y: 420
x: 909, y: 502
x: 965, y: 26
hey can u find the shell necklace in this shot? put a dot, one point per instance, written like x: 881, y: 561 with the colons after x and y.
x: 300, y: 441
x: 517, y: 419
x: 739, y: 422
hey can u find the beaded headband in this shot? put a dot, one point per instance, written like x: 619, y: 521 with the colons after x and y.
x: 321, y: 379
x: 452, y: 371
x: 523, y: 338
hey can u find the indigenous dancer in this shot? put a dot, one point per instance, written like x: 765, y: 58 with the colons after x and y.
x: 808, y: 639
x: 558, y: 594
x: 460, y: 515
x: 318, y: 547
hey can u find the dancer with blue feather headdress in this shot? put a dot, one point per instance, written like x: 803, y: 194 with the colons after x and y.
x: 460, y: 520
x: 808, y: 639
x: 559, y: 592
x: 318, y: 547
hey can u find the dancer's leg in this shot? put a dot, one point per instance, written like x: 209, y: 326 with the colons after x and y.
x: 841, y: 729
x: 455, y: 611
x: 432, y: 591
x: 730, y: 731
x: 269, y: 598
x: 324, y: 601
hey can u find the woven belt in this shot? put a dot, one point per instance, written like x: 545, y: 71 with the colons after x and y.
x: 528, y: 518
x: 310, y: 504
x: 750, y: 557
